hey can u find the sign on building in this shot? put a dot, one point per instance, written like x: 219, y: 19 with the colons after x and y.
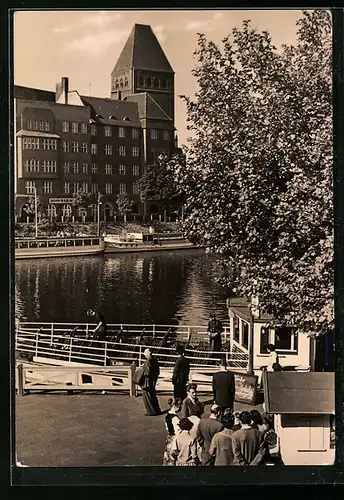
x: 56, y: 201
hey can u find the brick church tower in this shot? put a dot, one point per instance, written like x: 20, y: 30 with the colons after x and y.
x: 143, y: 67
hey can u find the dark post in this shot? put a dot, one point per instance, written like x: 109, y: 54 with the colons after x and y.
x: 250, y: 359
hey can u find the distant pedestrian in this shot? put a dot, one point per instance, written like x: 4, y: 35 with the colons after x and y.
x: 207, y: 429
x: 191, y: 404
x: 247, y: 442
x: 180, y: 373
x: 256, y: 419
x: 273, y: 357
x: 215, y: 329
x: 172, y: 427
x: 224, y: 387
x: 151, y: 372
x: 221, y: 448
x: 184, y: 446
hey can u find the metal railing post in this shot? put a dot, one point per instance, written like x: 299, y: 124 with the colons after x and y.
x: 20, y: 375
x: 86, y: 330
x: 70, y: 349
x: 132, y: 386
x: 140, y: 355
x: 105, y: 352
x: 52, y: 333
x: 36, y: 353
x: 153, y: 331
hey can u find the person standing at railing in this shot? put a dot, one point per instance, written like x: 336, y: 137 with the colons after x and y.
x: 101, y: 328
x: 151, y: 372
x: 180, y: 373
x: 215, y: 329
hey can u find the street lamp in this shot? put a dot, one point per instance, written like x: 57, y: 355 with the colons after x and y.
x: 98, y: 210
x: 36, y: 218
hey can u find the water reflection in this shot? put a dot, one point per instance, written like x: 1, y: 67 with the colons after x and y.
x: 165, y: 288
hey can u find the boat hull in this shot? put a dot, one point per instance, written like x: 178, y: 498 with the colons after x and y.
x: 133, y: 247
x: 38, y: 253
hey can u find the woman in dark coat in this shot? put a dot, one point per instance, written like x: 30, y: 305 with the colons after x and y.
x: 150, y: 376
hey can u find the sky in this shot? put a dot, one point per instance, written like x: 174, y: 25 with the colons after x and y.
x: 85, y: 45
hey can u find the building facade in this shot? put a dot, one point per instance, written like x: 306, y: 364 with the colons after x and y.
x: 66, y: 143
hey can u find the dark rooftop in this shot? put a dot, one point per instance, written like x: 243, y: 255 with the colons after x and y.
x: 297, y: 392
x: 148, y: 107
x: 240, y: 305
x: 32, y: 94
x: 116, y: 109
x: 142, y: 51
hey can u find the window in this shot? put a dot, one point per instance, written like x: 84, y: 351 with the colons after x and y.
x: 122, y: 170
x: 153, y: 133
x: 65, y: 146
x: 166, y: 135
x: 135, y: 133
x: 136, y: 169
x: 245, y: 329
x: 31, y: 166
x: 66, y: 188
x: 285, y: 338
x: 84, y: 128
x: 108, y: 131
x: 121, y: 132
x: 108, y: 188
x: 75, y: 147
x: 49, y: 166
x: 84, y: 187
x: 46, y: 127
x: 84, y: 168
x: 75, y: 167
x: 32, y: 124
x: 108, y: 149
x: 94, y: 168
x: 66, y: 210
x: 29, y: 143
x: 122, y: 188
x: 236, y: 328
x: 108, y: 169
x: 94, y: 149
x: 47, y: 187
x: 84, y: 147
x: 75, y: 128
x: 51, y: 211
x: 136, y: 188
x: 65, y: 126
x: 30, y: 187
x: 41, y: 126
x: 75, y: 187
x: 93, y: 130
x: 50, y: 144
x: 136, y: 151
x: 94, y: 188
x: 163, y: 83
x: 264, y: 339
x: 121, y: 150
x: 66, y: 167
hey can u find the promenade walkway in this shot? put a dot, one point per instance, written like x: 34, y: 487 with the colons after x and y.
x: 89, y: 430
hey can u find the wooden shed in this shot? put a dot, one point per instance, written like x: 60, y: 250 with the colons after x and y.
x: 303, y: 405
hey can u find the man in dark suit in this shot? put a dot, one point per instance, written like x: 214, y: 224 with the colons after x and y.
x: 207, y: 428
x: 180, y: 374
x: 215, y: 329
x: 224, y: 388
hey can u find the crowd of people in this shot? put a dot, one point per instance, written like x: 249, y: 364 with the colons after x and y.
x: 225, y: 437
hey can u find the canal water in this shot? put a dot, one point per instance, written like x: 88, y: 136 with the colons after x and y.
x: 162, y: 287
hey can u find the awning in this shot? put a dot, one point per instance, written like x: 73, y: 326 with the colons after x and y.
x: 33, y: 133
x: 299, y: 392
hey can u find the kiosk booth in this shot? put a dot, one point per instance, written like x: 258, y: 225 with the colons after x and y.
x: 303, y: 405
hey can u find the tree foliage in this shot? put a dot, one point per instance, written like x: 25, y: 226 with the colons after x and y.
x: 158, y: 183
x: 84, y: 200
x: 29, y: 207
x: 124, y: 203
x: 258, y: 181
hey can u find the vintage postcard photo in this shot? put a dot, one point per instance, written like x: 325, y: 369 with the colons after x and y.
x: 174, y: 269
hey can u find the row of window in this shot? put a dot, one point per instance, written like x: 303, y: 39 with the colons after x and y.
x: 37, y: 125
x: 34, y: 166
x: 75, y: 187
x: 74, y: 127
x: 34, y: 143
x: 122, y: 169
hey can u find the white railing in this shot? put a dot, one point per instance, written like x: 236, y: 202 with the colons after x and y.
x: 44, y: 340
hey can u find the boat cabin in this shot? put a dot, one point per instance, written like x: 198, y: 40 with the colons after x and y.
x: 295, y: 352
x: 303, y: 406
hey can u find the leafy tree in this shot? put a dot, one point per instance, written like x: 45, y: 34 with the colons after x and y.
x: 258, y: 181
x: 83, y: 201
x: 124, y: 204
x: 158, y: 184
x: 29, y: 207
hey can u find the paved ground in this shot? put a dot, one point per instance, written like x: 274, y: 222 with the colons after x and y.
x: 89, y: 430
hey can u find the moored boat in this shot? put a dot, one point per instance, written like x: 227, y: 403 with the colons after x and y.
x: 35, y: 248
x: 140, y: 242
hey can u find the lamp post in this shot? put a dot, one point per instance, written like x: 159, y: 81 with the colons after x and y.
x: 98, y: 211
x: 36, y: 217
x: 255, y: 313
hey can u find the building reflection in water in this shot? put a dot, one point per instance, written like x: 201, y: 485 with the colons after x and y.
x: 162, y: 288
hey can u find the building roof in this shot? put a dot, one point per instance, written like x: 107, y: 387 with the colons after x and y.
x: 142, y: 51
x: 240, y: 306
x: 299, y: 392
x: 148, y: 108
x: 20, y: 92
x: 118, y: 110
x: 33, y: 133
